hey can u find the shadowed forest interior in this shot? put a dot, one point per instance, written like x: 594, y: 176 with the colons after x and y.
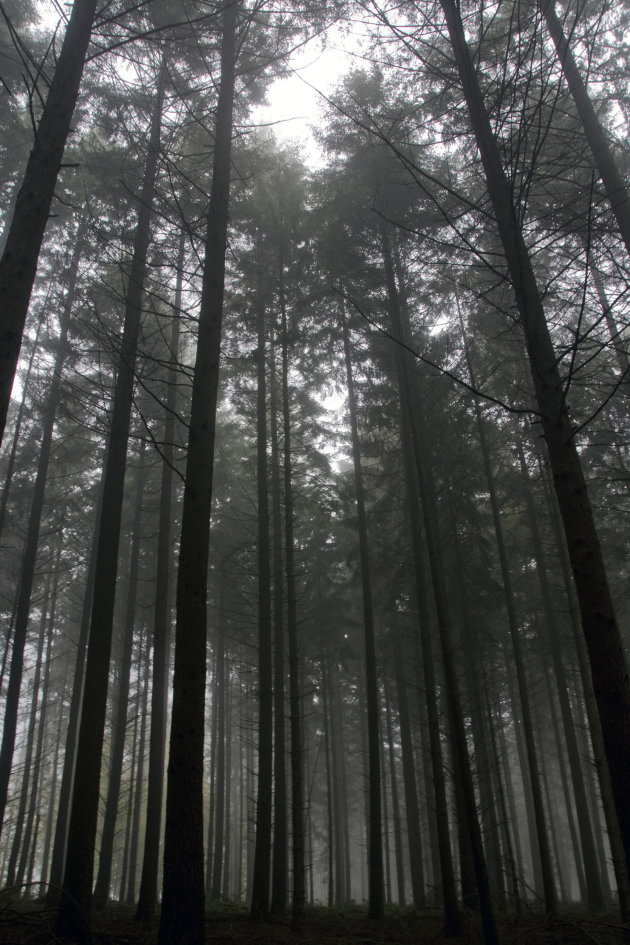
x: 314, y: 477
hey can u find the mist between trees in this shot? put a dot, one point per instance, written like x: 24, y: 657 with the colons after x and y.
x: 315, y: 483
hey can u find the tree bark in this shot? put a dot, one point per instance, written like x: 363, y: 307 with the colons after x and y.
x: 29, y: 559
x: 147, y: 897
x: 19, y: 259
x: 73, y: 916
x: 182, y: 917
x: 262, y: 855
x: 375, y: 832
x: 601, y: 150
x: 611, y: 683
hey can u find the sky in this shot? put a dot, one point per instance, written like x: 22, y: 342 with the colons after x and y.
x: 294, y: 103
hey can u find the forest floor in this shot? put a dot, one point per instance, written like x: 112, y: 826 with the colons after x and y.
x: 230, y: 925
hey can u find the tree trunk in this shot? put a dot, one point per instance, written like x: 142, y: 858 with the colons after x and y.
x: 375, y: 838
x: 589, y: 857
x: 29, y: 559
x: 182, y: 918
x: 297, y: 740
x: 73, y: 916
x: 409, y: 779
x: 121, y: 702
x: 611, y: 683
x: 147, y: 898
x: 28, y: 764
x: 398, y: 848
x: 428, y: 501
x: 262, y: 855
x: 600, y: 148
x: 279, y: 865
x: 19, y: 259
x: 533, y: 767
x: 220, y: 794
x: 134, y: 835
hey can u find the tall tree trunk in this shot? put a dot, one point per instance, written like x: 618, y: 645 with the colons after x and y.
x: 147, y: 897
x: 611, y: 683
x: 375, y: 833
x: 600, y: 147
x: 182, y: 917
x: 533, y: 767
x: 587, y: 842
x: 76, y: 701
x: 119, y: 724
x: 8, y: 478
x: 409, y: 779
x: 19, y: 259
x: 398, y: 847
x: 29, y: 559
x: 297, y: 740
x: 28, y: 764
x: 220, y: 794
x: 279, y: 864
x: 464, y: 781
x: 262, y: 856
x: 73, y: 916
x: 141, y: 710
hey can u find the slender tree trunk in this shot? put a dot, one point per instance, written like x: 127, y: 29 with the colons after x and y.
x: 279, y: 865
x: 147, y: 898
x: 600, y: 147
x: 398, y: 848
x: 76, y: 701
x: 447, y: 875
x: 220, y: 794
x: 297, y: 742
x: 119, y: 724
x: 30, y: 742
x: 141, y: 710
x: 587, y: 843
x: 428, y: 499
x: 409, y: 779
x: 8, y: 478
x: 73, y: 916
x: 19, y: 259
x: 533, y: 767
x: 182, y: 918
x: 375, y: 835
x: 262, y: 856
x: 29, y: 559
x: 611, y: 683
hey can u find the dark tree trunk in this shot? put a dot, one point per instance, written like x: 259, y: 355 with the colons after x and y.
x: 409, y: 779
x: 611, y: 683
x: 398, y: 848
x: 279, y: 864
x: 464, y: 781
x: 134, y: 833
x: 220, y: 795
x: 533, y: 767
x: 262, y: 855
x: 73, y: 916
x: 29, y: 559
x: 297, y: 741
x: 147, y: 897
x: 600, y: 147
x: 28, y: 764
x: 408, y: 424
x: 587, y: 843
x: 182, y: 918
x: 119, y: 725
x: 375, y: 831
x: 19, y: 259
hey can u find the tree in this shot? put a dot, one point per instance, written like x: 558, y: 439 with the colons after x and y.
x: 182, y: 916
x: 19, y: 259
